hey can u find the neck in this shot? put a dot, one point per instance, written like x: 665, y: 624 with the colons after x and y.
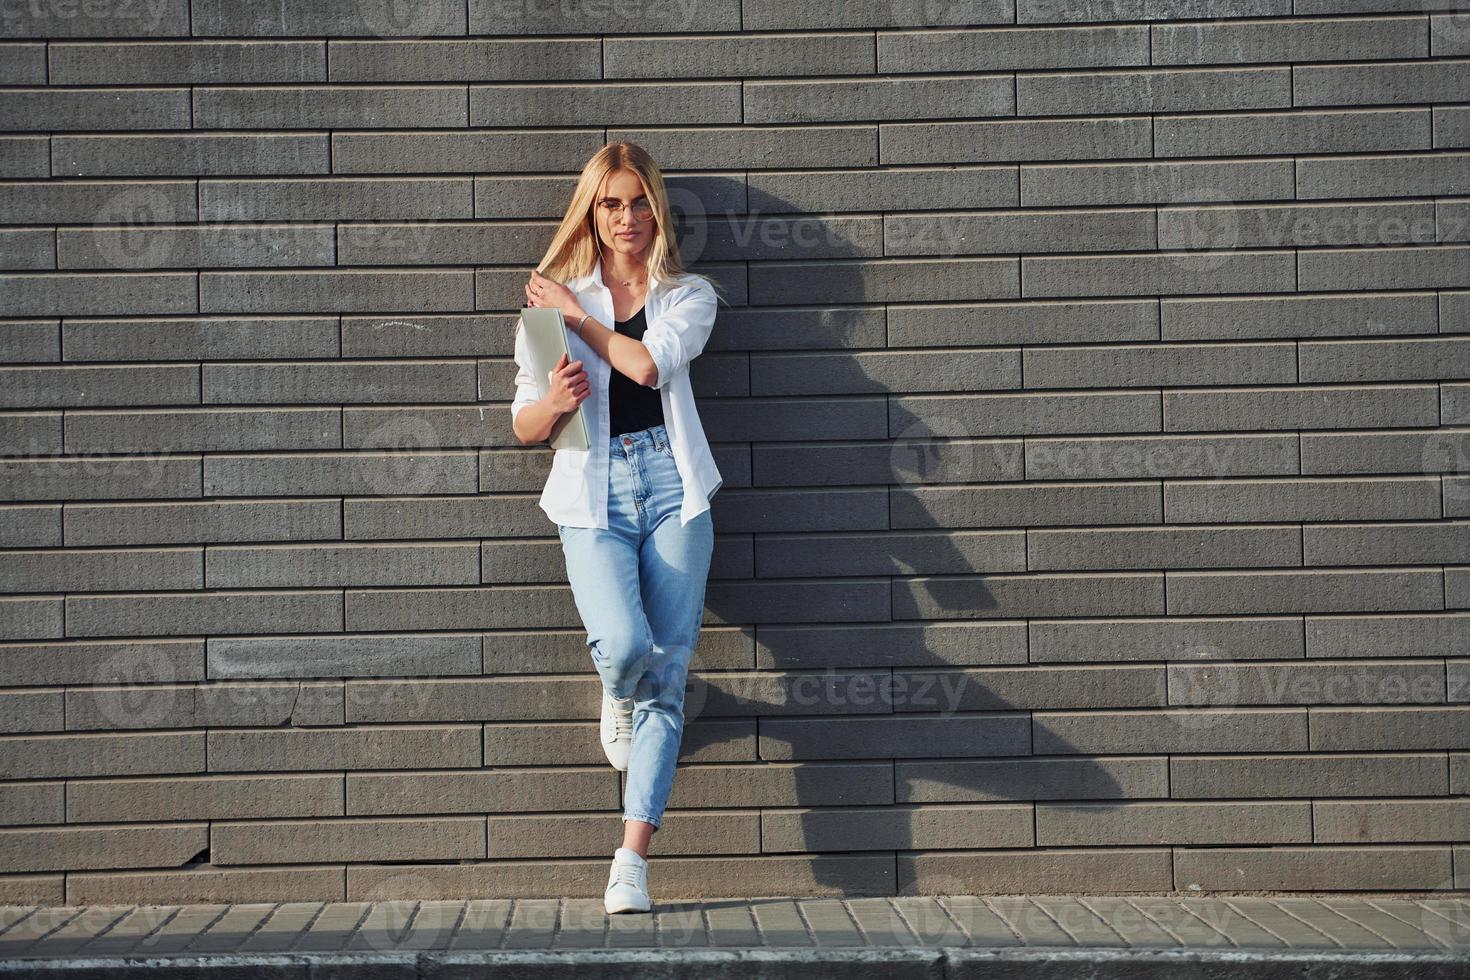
x: 622, y: 268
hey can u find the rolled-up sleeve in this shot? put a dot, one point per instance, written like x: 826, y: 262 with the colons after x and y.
x: 678, y: 334
x: 526, y: 392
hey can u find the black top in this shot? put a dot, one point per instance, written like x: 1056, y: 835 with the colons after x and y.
x: 632, y: 406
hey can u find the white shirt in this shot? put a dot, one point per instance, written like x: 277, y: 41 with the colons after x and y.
x: 680, y: 318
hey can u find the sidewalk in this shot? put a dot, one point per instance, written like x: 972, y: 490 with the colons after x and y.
x: 1302, y: 937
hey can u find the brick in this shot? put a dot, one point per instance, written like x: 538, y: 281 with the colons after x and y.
x: 481, y: 791
x: 52, y: 110
x: 1378, y: 84
x: 1354, y: 682
x: 1030, y: 687
x: 1164, y: 182
x: 36, y: 387
x: 1061, y: 778
x: 204, y: 430
x: 895, y: 372
x: 772, y: 784
x: 1015, y: 872
x: 745, y: 57
x: 102, y: 663
x: 1429, y: 358
x: 490, y: 18
x: 1137, y: 822
x: 1367, y: 175
x: 1160, y: 365
x: 1153, y: 90
x: 1028, y: 505
x: 27, y: 248
x: 128, y: 754
x: 346, y: 656
x: 373, y: 474
x: 30, y: 433
x: 417, y: 747
x: 914, y: 416
x: 1282, y: 591
x: 1038, y: 47
x: 1030, y: 322
x: 1400, y: 498
x: 212, y: 154
x: 1314, y: 775
x: 730, y: 832
x: 909, y: 460
x: 105, y: 571
x: 896, y: 644
x: 1312, y: 868
x: 337, y: 198
x: 30, y: 526
x: 1322, y: 131
x: 311, y: 381
x: 320, y: 565
x: 902, y: 737
x: 901, y: 99
x: 86, y: 478
x: 203, y: 338
x: 896, y: 827
x: 1361, y: 39
x: 374, y: 18
x: 1401, y: 267
x: 1018, y: 596
x: 203, y: 522
x: 23, y: 156
x: 1301, y: 408
x: 1443, y: 634
x: 1114, y: 640
x: 186, y: 614
x: 80, y: 848
x: 1387, y: 821
x: 990, y: 142
x: 1442, y: 543
x: 1173, y: 731
x: 168, y: 18
x: 1388, y: 728
x: 200, y: 62
x: 1426, y: 451
x: 1244, y: 271
x: 159, y: 248
x: 26, y: 341
x: 346, y: 290
x: 1247, y: 317
x: 612, y: 103
x: 99, y: 294
x: 1124, y: 457
x: 316, y: 842
x: 205, y: 798
x: 783, y: 556
x: 1126, y: 548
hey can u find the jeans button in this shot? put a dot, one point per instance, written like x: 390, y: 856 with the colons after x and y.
x: 627, y: 442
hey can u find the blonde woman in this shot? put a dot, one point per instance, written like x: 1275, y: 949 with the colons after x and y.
x: 633, y: 512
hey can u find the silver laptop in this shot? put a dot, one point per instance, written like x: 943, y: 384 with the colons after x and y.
x: 546, y: 339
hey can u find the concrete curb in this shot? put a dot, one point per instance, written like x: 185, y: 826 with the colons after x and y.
x: 916, y: 963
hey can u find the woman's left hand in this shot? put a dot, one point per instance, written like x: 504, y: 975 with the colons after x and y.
x: 541, y: 291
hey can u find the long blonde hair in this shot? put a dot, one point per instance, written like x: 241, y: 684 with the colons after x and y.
x: 574, y: 247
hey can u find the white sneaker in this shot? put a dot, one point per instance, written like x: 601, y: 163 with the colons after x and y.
x: 627, y: 883
x: 617, y: 730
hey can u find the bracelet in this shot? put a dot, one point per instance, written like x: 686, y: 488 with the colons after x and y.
x: 582, y: 323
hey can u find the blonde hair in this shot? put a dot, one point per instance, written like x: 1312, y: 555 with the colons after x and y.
x: 575, y: 246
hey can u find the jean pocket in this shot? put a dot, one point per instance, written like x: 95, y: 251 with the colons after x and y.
x: 665, y: 447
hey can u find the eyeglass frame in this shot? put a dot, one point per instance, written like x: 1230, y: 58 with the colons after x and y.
x: 616, y: 211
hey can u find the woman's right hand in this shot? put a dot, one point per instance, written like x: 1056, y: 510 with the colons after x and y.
x: 569, y: 385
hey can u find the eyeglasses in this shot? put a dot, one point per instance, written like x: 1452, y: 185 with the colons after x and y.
x: 642, y: 208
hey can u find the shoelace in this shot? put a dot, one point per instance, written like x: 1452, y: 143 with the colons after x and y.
x: 627, y: 874
x: 622, y: 724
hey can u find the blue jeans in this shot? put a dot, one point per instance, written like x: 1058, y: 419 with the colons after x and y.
x: 639, y: 588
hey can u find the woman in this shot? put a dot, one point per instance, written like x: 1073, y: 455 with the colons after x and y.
x: 632, y: 512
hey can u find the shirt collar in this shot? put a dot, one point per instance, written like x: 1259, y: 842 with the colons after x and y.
x: 594, y: 278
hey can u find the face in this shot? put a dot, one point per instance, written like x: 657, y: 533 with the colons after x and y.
x: 627, y: 228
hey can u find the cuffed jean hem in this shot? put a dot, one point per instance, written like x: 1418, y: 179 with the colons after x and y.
x: 646, y: 817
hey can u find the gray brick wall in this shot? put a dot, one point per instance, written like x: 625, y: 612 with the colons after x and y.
x: 1093, y: 402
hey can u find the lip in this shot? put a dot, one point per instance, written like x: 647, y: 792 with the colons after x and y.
x: 627, y: 234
